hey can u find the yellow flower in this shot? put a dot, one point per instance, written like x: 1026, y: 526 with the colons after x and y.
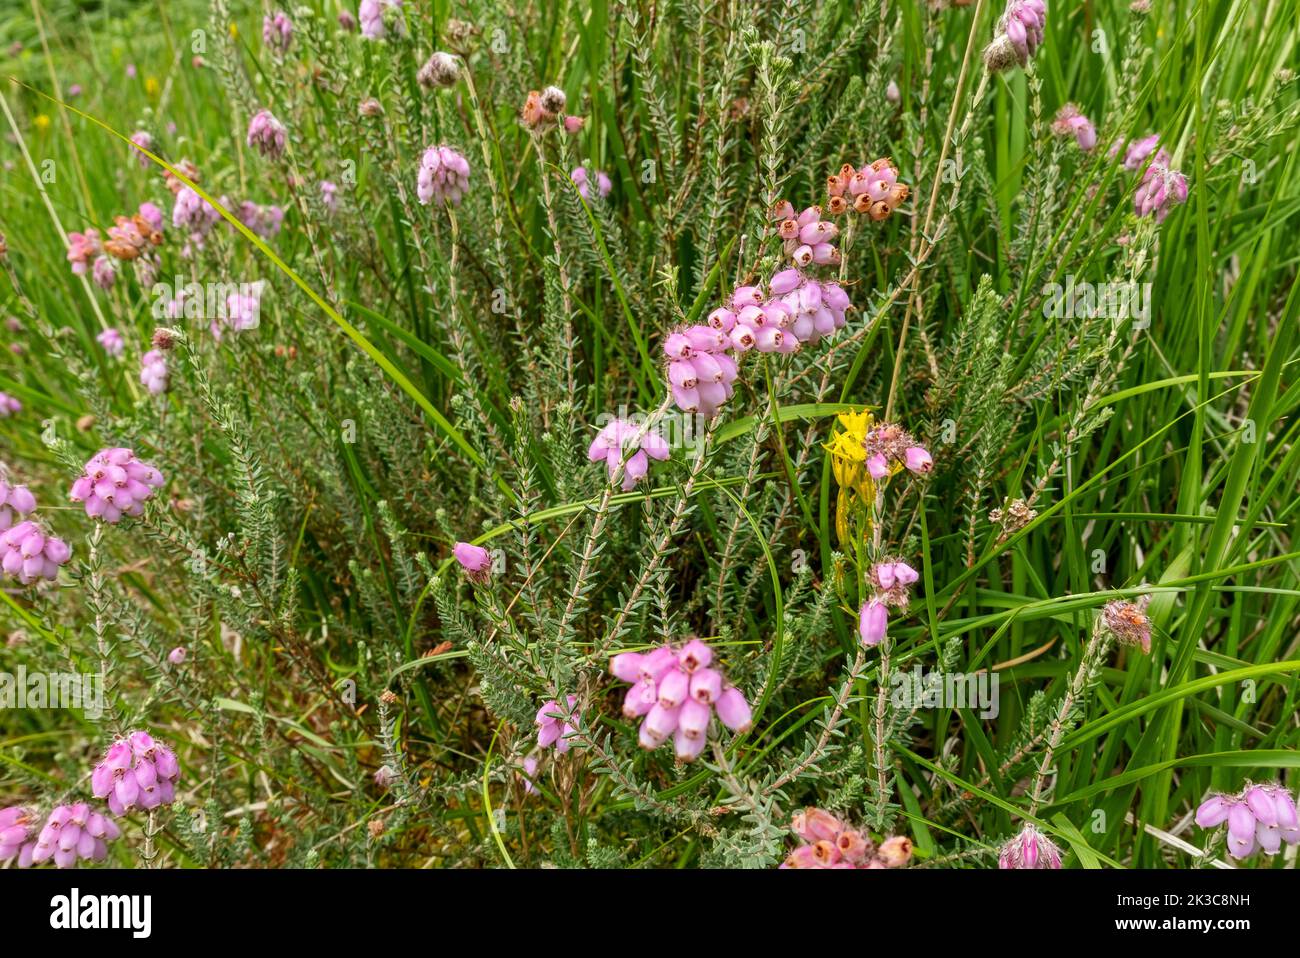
x: 151, y: 86
x: 42, y: 122
x: 848, y: 463
x: 234, y: 30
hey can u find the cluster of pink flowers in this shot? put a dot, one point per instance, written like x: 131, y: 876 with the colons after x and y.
x: 112, y: 342
x: 193, y: 213
x: 263, y: 220
x: 16, y: 825
x: 16, y: 502
x: 807, y: 237
x: 242, y: 311
x: 71, y: 833
x: 701, y: 371
x: 608, y: 446
x: 9, y: 406
x: 103, y: 272
x: 1029, y: 849
x: 1160, y: 191
x: 153, y: 372
x: 891, y: 448
x: 1260, y: 817
x: 143, y: 141
x: 675, y: 692
x: 831, y: 843
x: 475, y: 560
x: 873, y: 190
x: 136, y: 772
x: 277, y: 32
x: 82, y: 250
x: 1161, y: 188
x: 371, y: 13
x: 444, y: 176
x: 27, y: 551
x: 266, y: 134
x: 891, y: 584
x: 582, y: 180
x: 555, y: 724
x: 1071, y: 122
x: 115, y: 483
x: 1018, y: 35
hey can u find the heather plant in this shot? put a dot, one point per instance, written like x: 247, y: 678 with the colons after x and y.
x: 958, y: 337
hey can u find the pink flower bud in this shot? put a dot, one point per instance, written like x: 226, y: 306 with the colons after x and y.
x: 706, y: 685
x: 674, y: 688
x: 917, y: 459
x: 873, y: 622
x: 733, y: 710
x: 626, y: 666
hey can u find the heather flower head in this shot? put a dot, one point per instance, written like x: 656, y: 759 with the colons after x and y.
x: 475, y: 560
x: 177, y: 655
x: 1018, y: 34
x: 1029, y: 849
x: 137, y: 772
x: 115, y: 483
x: 265, y: 221
x: 543, y: 109
x: 376, y: 18
x: 1070, y: 122
x: 347, y: 21
x: 193, y: 213
x: 874, y: 190
x: 152, y: 217
x: 1160, y: 191
x: 702, y: 359
x: 17, y: 826
x: 9, y: 406
x: 266, y: 134
x: 242, y: 311
x: 112, y: 342
x: 555, y: 724
x: 103, y: 272
x: 582, y: 181
x: 615, y: 441
x: 832, y: 843
x: 71, y: 833
x: 1128, y: 622
x: 890, y: 448
x: 131, y: 237
x: 82, y: 250
x: 675, y: 690
x: 808, y: 239
x: 873, y: 622
x: 16, y: 502
x: 143, y: 141
x: 1259, y: 817
x: 385, y: 776
x: 153, y: 372
x: 28, y: 552
x: 440, y: 70
x: 277, y: 32
x: 444, y: 176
